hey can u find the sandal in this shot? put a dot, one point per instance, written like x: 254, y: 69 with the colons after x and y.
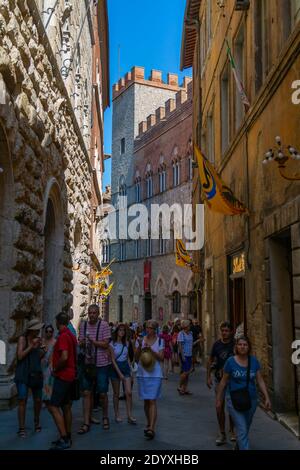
x: 146, y: 429
x: 188, y: 393
x: 37, y: 427
x: 84, y: 429
x: 95, y: 420
x: 181, y: 392
x: 105, y: 423
x: 150, y: 434
x: 21, y: 432
x: 131, y: 420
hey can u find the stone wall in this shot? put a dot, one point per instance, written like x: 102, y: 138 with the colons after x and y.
x: 46, y: 179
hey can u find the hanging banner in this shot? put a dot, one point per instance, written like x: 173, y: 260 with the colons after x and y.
x: 217, y: 195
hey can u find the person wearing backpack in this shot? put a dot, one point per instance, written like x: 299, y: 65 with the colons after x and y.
x: 95, y: 361
x: 240, y: 374
x: 120, y: 371
x: 29, y: 373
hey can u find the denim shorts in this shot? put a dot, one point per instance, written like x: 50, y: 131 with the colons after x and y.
x: 101, y: 382
x: 124, y: 369
x: 60, y: 393
x: 186, y: 365
x: 23, y: 391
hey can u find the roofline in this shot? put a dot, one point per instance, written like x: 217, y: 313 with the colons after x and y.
x: 186, y: 29
x: 103, y: 25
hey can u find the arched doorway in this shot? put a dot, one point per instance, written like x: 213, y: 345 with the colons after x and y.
x: 7, y: 326
x: 6, y: 223
x: 53, y: 256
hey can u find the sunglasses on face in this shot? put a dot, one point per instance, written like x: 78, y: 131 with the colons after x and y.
x: 49, y: 331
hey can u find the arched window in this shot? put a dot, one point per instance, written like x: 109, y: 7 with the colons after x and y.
x: 192, y: 304
x: 176, y: 173
x: 162, y: 178
x: 106, y: 252
x: 138, y: 189
x: 149, y: 185
x: 122, y: 187
x: 176, y: 302
x: 162, y: 241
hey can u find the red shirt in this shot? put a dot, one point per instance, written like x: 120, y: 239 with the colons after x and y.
x: 66, y: 341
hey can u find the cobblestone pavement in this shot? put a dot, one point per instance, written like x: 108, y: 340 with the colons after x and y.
x: 187, y: 422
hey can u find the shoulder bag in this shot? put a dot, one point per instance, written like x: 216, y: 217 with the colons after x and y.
x: 240, y: 398
x: 90, y: 370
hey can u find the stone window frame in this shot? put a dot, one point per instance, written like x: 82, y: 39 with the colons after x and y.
x: 176, y: 172
x: 162, y: 174
x: 149, y: 184
x: 138, y: 189
x: 176, y: 302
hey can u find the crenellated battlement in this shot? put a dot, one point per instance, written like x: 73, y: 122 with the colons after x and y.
x: 137, y: 75
x: 171, y: 105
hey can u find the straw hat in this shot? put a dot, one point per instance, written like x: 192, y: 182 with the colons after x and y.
x: 34, y: 324
x: 147, y: 360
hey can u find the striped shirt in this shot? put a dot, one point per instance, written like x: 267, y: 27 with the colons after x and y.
x: 102, y: 355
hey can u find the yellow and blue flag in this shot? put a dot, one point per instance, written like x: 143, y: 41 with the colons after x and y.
x: 217, y: 195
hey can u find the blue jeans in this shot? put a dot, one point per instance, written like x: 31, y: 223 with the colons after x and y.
x: 242, y: 422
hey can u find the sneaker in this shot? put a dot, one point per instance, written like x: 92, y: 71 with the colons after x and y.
x: 232, y: 436
x: 221, y: 439
x: 61, y: 445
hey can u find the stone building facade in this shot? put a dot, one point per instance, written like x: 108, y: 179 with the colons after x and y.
x: 47, y: 171
x: 151, y: 138
x: 251, y: 263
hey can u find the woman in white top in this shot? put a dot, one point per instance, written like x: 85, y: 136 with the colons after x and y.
x: 150, y: 354
x: 120, y: 370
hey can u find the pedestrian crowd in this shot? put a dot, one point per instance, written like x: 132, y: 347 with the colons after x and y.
x: 60, y: 367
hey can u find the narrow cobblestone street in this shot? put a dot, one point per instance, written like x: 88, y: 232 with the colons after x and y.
x: 184, y: 423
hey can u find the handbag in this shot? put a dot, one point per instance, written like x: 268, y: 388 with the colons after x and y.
x: 240, y: 398
x: 90, y: 370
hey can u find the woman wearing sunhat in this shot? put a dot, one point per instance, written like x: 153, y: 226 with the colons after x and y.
x: 29, y: 373
x: 150, y: 354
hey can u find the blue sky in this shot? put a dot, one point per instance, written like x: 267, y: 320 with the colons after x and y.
x: 149, y: 35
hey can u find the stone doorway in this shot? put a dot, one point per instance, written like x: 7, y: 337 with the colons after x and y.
x: 283, y: 328
x: 7, y: 388
x: 53, y: 257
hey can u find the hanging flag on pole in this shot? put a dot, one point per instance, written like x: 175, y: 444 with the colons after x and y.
x: 105, y: 271
x: 238, y: 81
x: 216, y: 194
x: 182, y: 257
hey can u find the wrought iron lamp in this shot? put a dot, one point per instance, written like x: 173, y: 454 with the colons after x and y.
x: 282, y: 154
